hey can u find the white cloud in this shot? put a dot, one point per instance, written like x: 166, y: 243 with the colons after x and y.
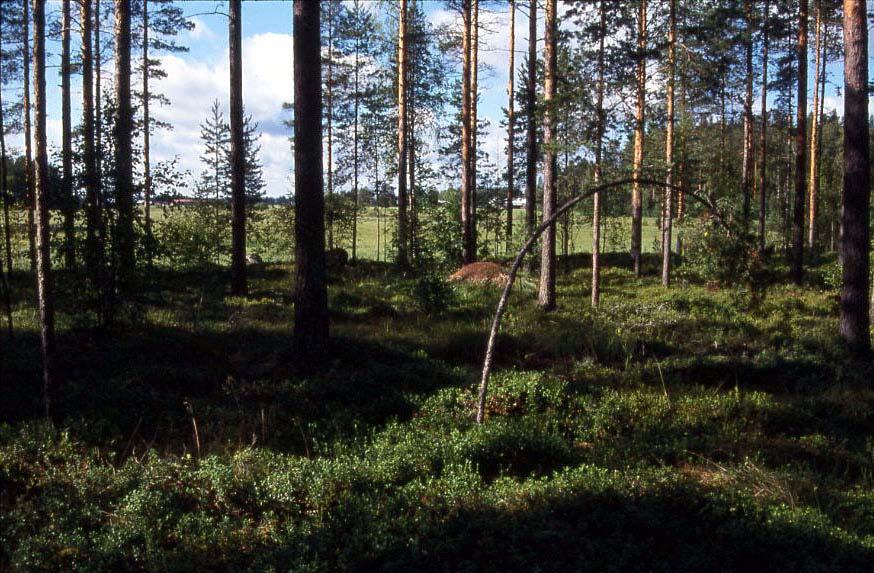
x: 192, y: 86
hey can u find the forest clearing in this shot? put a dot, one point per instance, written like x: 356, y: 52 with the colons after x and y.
x: 461, y: 285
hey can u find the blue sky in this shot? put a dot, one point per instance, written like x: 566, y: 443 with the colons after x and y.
x: 200, y: 76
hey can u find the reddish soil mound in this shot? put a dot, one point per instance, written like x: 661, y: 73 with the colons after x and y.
x: 480, y: 273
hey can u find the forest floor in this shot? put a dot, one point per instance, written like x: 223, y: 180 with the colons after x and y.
x: 681, y: 429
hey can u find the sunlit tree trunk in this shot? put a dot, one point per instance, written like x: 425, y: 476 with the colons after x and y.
x: 238, y: 161
x: 311, y: 297
x: 667, y: 213
x: 474, y: 103
x: 813, y: 179
x: 43, y: 252
x: 546, y: 296
x: 403, y: 257
x: 468, y: 249
x: 511, y: 122
x: 763, y: 140
x: 747, y: 166
x: 797, y: 266
x: 639, y: 125
x: 4, y: 190
x: 856, y: 196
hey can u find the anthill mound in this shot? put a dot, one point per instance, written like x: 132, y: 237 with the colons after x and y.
x: 480, y: 274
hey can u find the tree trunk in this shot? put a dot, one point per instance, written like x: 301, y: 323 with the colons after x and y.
x: 123, y: 135
x: 238, y: 150
x: 856, y: 196
x: 468, y: 253
x: 4, y: 190
x: 531, y: 137
x: 747, y: 166
x: 546, y: 296
x: 147, y: 128
x: 474, y: 104
x: 356, y: 104
x: 599, y: 151
x: 763, y: 140
x: 28, y: 139
x: 98, y: 112
x: 311, y: 297
x: 69, y: 201
x: 813, y: 180
x: 403, y: 257
x: 797, y: 267
x: 667, y: 216
x: 94, y: 253
x: 329, y: 100
x: 43, y: 252
x: 639, y: 125
x: 511, y: 122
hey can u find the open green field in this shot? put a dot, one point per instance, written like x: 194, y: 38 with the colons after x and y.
x: 682, y: 429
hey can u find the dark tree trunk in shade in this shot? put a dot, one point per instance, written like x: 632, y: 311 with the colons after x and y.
x: 123, y: 138
x: 599, y: 151
x: 94, y: 252
x: 797, y: 262
x: 43, y: 252
x: 311, y: 298
x: 147, y: 153
x: 855, y: 239
x: 531, y: 136
x: 238, y: 164
x: 69, y: 201
x: 546, y: 296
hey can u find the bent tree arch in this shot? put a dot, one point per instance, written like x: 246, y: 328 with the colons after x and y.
x: 526, y: 248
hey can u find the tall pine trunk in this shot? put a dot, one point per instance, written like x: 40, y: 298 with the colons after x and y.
x: 474, y: 104
x: 599, y: 151
x: 69, y: 201
x: 122, y: 140
x: 355, y: 120
x: 856, y: 196
x: 403, y: 256
x: 531, y: 136
x: 815, y: 136
x: 511, y: 123
x: 311, y: 297
x: 43, y: 251
x: 94, y: 252
x: 28, y: 139
x: 797, y: 264
x: 747, y: 165
x: 546, y: 296
x: 147, y: 128
x: 639, y: 125
x: 468, y: 247
x: 667, y: 213
x: 238, y: 162
x: 763, y: 139
x: 4, y: 190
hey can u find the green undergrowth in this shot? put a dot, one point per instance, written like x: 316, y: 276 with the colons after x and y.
x: 682, y: 429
